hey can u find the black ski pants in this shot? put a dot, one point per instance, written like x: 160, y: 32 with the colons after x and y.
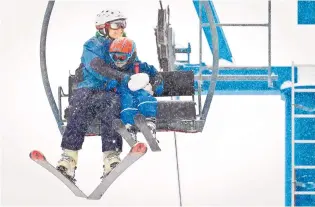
x: 84, y: 106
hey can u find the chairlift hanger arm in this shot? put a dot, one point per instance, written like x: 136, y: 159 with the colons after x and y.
x: 215, y: 64
x: 43, y: 65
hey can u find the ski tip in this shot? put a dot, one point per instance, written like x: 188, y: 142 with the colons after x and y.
x: 139, y: 148
x: 37, y: 155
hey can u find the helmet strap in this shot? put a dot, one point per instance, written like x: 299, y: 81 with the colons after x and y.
x: 132, y: 59
x: 104, y: 32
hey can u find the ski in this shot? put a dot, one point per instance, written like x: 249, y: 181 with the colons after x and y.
x: 119, y: 127
x: 136, y: 152
x: 140, y: 122
x: 40, y: 159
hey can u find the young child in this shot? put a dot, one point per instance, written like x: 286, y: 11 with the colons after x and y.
x: 136, y: 95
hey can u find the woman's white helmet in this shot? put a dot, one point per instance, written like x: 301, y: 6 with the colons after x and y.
x: 107, y: 16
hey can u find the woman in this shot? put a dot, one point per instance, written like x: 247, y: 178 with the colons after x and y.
x: 93, y: 97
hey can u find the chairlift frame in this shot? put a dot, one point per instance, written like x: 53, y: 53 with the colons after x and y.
x: 166, y: 54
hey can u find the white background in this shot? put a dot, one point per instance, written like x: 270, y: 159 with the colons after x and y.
x: 237, y: 161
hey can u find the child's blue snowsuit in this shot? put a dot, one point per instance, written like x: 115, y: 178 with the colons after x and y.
x: 140, y: 101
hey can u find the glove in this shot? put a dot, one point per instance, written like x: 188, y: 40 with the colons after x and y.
x: 148, y: 88
x: 138, y: 81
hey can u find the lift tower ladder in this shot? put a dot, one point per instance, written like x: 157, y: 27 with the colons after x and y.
x: 299, y: 140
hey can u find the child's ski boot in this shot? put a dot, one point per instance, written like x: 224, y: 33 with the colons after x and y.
x: 133, y: 131
x: 151, y: 122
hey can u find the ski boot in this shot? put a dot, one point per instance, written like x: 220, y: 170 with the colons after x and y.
x: 151, y: 122
x: 68, y: 164
x: 111, y: 160
x: 133, y: 131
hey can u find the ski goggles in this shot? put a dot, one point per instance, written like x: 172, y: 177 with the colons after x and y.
x: 119, y: 57
x: 117, y: 24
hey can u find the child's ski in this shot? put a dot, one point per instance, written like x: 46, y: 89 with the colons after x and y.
x: 119, y: 127
x: 140, y: 122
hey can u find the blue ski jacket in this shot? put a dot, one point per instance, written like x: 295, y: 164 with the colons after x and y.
x: 99, y: 72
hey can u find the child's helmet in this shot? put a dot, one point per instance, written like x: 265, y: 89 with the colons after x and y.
x: 122, y: 51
